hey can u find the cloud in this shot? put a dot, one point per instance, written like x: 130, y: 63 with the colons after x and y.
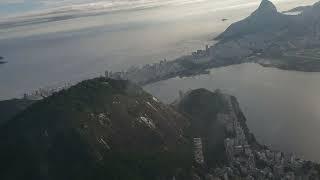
x: 41, y: 8
x: 12, y: 1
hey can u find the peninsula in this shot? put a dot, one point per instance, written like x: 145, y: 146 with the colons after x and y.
x: 267, y: 37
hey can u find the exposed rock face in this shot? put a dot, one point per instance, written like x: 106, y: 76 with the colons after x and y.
x: 265, y: 19
x: 198, y: 151
x: 98, y: 129
x: 266, y: 8
x: 255, y: 33
x: 244, y: 158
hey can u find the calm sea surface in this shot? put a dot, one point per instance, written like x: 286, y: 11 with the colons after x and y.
x: 282, y: 107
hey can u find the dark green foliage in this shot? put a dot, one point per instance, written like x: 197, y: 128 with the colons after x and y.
x: 62, y: 137
x: 10, y: 108
x: 203, y: 106
x: 137, y: 166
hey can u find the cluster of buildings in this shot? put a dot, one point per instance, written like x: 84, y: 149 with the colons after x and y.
x: 147, y: 73
x: 246, y: 159
x: 120, y: 75
x: 252, y: 161
x: 45, y: 92
x: 201, y: 53
x: 161, y: 70
x: 198, y: 151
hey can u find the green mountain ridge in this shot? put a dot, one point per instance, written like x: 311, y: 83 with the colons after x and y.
x: 98, y: 129
x: 10, y: 108
x: 112, y: 129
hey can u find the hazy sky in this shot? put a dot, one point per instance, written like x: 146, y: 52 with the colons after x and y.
x: 19, y: 7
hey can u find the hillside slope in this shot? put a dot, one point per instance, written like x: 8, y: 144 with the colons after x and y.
x: 10, y: 108
x: 269, y: 33
x: 266, y: 19
x: 229, y: 150
x: 209, y: 113
x: 98, y: 129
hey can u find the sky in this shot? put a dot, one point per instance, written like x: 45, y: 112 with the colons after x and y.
x: 17, y: 7
x: 22, y: 7
x: 26, y: 13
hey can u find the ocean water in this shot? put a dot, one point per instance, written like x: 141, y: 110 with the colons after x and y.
x: 282, y: 107
x: 49, y: 54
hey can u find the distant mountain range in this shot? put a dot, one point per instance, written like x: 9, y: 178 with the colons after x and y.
x: 267, y: 37
x: 266, y: 19
x: 112, y: 129
x: 297, y: 9
x: 275, y: 26
x: 272, y: 39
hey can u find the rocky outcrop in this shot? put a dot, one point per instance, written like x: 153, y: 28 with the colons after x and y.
x: 255, y: 34
x: 265, y: 19
x: 225, y: 134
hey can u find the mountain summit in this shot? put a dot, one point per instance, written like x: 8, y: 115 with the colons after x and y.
x: 265, y: 16
x: 266, y: 7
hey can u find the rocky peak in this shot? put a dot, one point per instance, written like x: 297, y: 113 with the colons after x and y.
x: 215, y: 117
x: 265, y: 19
x: 266, y: 8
